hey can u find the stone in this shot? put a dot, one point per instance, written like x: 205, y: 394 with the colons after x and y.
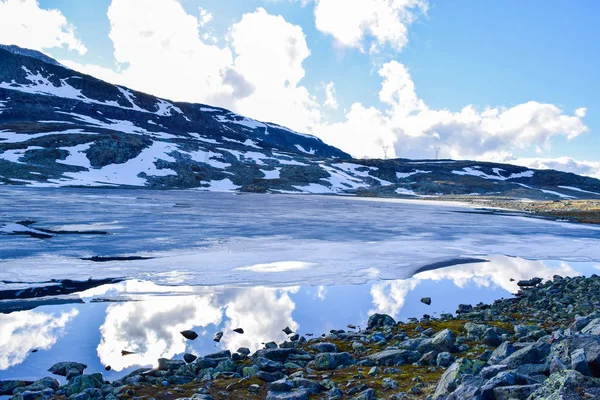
x: 389, y: 384
x: 287, y: 330
x: 7, y: 387
x: 254, y: 388
x: 165, y: 364
x: 592, y: 328
x: 556, y: 365
x: 334, y: 394
x: 250, y: 371
x: 63, y: 368
x: 475, y: 331
x: 324, y: 347
x: 380, y: 321
x: 579, y: 362
x: 426, y: 300
x: 39, y: 385
x: 296, y: 394
x: 190, y: 335
x: 443, y: 340
x: 267, y: 365
x: 492, y: 371
x: 83, y: 382
x: 275, y: 354
x: 444, y: 359
x: 368, y: 394
x: 311, y: 386
x: 394, y: 357
x: 220, y: 354
x: 330, y: 361
x: 281, y: 385
x: 515, y: 392
x: 567, y: 384
x: 501, y: 352
x: 269, y: 376
x: 226, y: 365
x: 529, y: 282
x: 189, y: 358
x: 218, y: 336
x: 243, y: 351
x: 239, y: 330
x: 464, y: 308
x: 454, y: 375
x: 531, y: 354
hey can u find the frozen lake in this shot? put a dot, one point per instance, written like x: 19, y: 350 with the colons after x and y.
x: 202, y: 238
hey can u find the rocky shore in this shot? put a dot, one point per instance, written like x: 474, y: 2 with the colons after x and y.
x: 544, y: 343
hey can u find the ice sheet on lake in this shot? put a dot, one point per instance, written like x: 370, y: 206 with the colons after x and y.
x: 213, y: 238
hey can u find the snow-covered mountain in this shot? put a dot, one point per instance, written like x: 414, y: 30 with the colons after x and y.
x: 59, y: 127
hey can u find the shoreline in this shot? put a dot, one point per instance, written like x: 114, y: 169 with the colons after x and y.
x: 543, y: 341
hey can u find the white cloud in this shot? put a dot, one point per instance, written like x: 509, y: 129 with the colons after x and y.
x: 23, y: 331
x: 568, y: 164
x: 330, y: 99
x: 150, y: 328
x: 25, y: 24
x: 385, y: 21
x: 414, y: 129
x: 258, y: 72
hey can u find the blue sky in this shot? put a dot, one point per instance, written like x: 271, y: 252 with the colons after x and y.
x: 498, y: 55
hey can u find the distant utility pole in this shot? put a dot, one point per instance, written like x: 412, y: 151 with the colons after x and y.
x: 437, y: 152
x: 385, y: 150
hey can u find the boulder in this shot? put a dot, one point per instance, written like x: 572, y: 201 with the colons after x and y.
x: 567, y: 384
x: 394, y: 357
x: 324, y: 347
x: 454, y: 375
x: 579, y: 362
x: 190, y: 335
x: 515, y: 392
x: 531, y: 354
x: 330, y: 361
x: 380, y: 321
x: 426, y: 300
x: 443, y: 341
x: 63, y: 368
x: 503, y: 351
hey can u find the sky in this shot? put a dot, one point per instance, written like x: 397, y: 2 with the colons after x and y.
x: 507, y: 81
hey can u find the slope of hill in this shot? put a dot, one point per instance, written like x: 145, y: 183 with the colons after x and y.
x: 59, y: 127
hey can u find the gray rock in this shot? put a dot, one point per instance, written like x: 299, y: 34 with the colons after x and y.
x: 503, y: 351
x: 426, y: 300
x: 475, y: 331
x: 281, y: 385
x: 63, y: 368
x: 470, y: 388
x: 268, y: 376
x: 311, y: 386
x: 368, y: 394
x: 389, y: 384
x: 83, y: 382
x: 275, y: 354
x: 254, y: 388
x: 324, y: 347
x: 165, y: 364
x: 454, y: 375
x: 334, y: 394
x: 394, y: 357
x: 226, y: 365
x: 579, y: 362
x: 515, y: 392
x: 565, y: 385
x: 267, y: 365
x: 380, y: 321
x: 492, y: 371
x: 592, y: 328
x: 444, y: 359
x: 443, y: 341
x: 330, y: 361
x: 532, y: 354
x: 7, y: 387
x: 218, y: 336
x: 220, y: 354
x: 39, y: 385
x: 243, y: 351
x: 287, y: 330
x: 296, y: 394
x: 190, y: 335
x: 556, y: 365
x: 189, y: 358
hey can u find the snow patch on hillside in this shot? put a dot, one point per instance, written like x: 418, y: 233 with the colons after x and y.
x: 475, y: 171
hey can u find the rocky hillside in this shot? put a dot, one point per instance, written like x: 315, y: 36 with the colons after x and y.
x: 59, y: 127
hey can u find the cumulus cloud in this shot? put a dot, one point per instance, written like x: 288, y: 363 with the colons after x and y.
x: 21, y: 332
x: 25, y: 24
x: 384, y: 21
x: 414, y: 129
x: 389, y: 297
x: 330, y: 99
x: 567, y: 164
x: 161, y: 49
x: 150, y: 328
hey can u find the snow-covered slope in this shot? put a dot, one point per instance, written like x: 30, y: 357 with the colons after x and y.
x: 59, y: 127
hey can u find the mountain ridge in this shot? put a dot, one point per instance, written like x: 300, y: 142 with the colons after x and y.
x: 59, y: 127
